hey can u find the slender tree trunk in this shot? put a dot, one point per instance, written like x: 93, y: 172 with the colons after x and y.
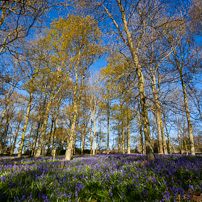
x: 157, y: 113
x: 159, y: 131
x: 97, y: 144
x: 32, y: 146
x: 74, y: 146
x: 6, y: 102
x: 184, y: 130
x: 149, y: 149
x: 30, y: 136
x: 25, y: 126
x: 140, y: 128
x: 40, y: 117
x: 185, y: 145
x: 168, y: 137
x: 119, y: 140
x: 128, y: 131
x: 43, y: 131
x: 141, y: 140
x: 16, y: 135
x: 123, y: 137
x: 100, y: 142
x: 68, y: 153
x: 163, y: 135
x: 91, y: 134
x: 122, y: 127
x: 179, y: 135
x: 94, y: 130
x: 191, y: 137
x: 10, y: 138
x: 36, y: 137
x: 83, y: 139
x: 50, y: 138
x: 53, y: 133
x: 108, y: 115
x: 12, y: 86
x: 3, y: 135
x: 70, y: 141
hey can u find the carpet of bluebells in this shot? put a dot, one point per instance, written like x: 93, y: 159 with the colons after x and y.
x: 102, y: 178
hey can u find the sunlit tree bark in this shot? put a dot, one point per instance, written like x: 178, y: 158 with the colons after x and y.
x: 25, y: 126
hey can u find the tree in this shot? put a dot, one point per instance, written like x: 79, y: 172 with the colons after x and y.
x: 27, y: 68
x: 131, y: 31
x: 77, y: 40
x: 105, y: 103
x: 184, y: 60
x: 17, y: 19
x: 9, y: 96
x: 19, y: 118
x: 195, y: 14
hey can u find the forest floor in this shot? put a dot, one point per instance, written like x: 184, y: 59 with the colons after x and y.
x: 113, y: 177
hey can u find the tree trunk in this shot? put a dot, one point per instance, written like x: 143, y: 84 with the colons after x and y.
x: 6, y: 102
x: 108, y: 115
x: 25, y: 126
x: 16, y: 135
x: 160, y: 151
x: 3, y: 135
x: 40, y: 116
x: 184, y: 130
x: 140, y: 128
x: 157, y: 114
x: 163, y: 135
x: 168, y: 137
x: 30, y: 136
x: 43, y: 131
x: 68, y: 153
x: 94, y: 129
x: 97, y: 144
x: 83, y: 139
x: 179, y: 135
x: 74, y: 146
x: 119, y: 140
x: 191, y: 137
x: 36, y: 138
x: 123, y: 137
x: 100, y: 142
x: 91, y: 134
x: 70, y: 140
x: 50, y: 138
x: 149, y: 149
x: 53, y: 134
x: 141, y: 140
x: 128, y: 131
x: 122, y: 127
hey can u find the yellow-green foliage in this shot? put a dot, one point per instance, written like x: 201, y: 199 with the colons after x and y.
x: 73, y: 35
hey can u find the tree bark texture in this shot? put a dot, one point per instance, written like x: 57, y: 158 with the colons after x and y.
x: 191, y: 137
x: 68, y: 153
x: 108, y: 115
x: 16, y: 135
x: 128, y: 131
x: 25, y: 126
x: 43, y: 131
